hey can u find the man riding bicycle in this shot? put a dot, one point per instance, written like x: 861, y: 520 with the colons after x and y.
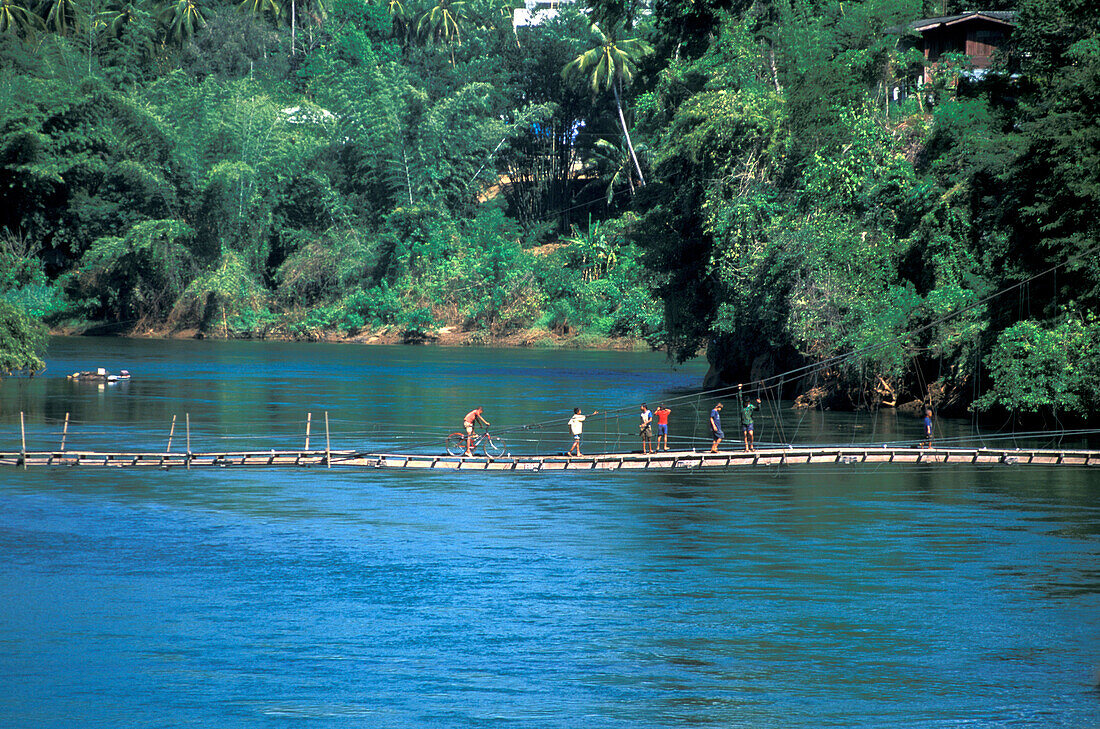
x: 469, y: 421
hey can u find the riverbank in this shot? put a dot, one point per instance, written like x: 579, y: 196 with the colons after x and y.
x: 446, y: 336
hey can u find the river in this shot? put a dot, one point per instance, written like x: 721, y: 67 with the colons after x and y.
x: 879, y: 596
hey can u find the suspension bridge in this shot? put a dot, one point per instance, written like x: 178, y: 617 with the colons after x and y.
x: 774, y: 457
x: 529, y: 443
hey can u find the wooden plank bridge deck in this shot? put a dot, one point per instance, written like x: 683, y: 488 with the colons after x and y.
x: 794, y: 456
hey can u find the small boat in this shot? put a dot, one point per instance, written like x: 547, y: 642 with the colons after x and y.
x: 100, y: 375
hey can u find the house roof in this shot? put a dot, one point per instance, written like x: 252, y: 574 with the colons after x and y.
x: 1004, y: 17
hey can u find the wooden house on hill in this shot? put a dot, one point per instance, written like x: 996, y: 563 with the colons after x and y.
x: 976, y: 34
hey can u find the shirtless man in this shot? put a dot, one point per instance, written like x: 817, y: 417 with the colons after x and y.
x: 469, y: 422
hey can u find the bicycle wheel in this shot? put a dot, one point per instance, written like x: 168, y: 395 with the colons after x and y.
x: 456, y: 444
x: 493, y: 447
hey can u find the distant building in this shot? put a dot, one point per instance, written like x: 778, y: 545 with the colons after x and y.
x: 976, y: 34
x: 536, y: 12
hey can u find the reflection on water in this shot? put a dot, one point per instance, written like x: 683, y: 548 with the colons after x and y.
x: 875, y: 596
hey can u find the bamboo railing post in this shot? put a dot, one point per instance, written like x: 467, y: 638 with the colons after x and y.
x: 188, y: 441
x: 171, y: 432
x: 23, y: 434
x: 328, y: 444
x: 309, y: 423
x: 64, y: 432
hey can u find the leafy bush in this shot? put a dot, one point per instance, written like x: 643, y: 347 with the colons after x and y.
x: 325, y: 270
x: 228, y: 299
x: 22, y: 341
x: 1052, y: 368
x: 139, y: 275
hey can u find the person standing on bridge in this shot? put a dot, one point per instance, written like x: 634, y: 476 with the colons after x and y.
x: 469, y: 422
x: 746, y: 420
x: 576, y: 427
x: 645, y: 429
x: 927, y: 428
x: 662, y: 414
x: 716, y: 427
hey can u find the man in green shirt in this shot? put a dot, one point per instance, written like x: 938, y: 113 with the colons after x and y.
x: 746, y: 420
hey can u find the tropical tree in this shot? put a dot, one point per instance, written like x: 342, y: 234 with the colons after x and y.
x: 182, y: 18
x: 613, y: 165
x: 60, y: 15
x: 313, y: 10
x: 441, y: 24
x: 16, y: 18
x: 118, y: 16
x: 131, y: 33
x: 598, y: 249
x: 22, y: 341
x: 260, y: 7
x: 611, y: 65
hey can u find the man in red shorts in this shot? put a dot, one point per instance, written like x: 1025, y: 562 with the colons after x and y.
x: 468, y: 422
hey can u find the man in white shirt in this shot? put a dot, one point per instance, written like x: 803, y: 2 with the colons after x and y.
x: 645, y: 429
x: 576, y: 427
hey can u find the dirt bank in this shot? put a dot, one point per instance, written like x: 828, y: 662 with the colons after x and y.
x: 448, y: 336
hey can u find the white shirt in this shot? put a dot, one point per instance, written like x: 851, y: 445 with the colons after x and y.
x: 576, y: 423
x: 647, y: 416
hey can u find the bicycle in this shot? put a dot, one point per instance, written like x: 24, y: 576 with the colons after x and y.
x: 492, y: 446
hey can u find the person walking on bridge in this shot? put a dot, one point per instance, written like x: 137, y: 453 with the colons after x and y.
x: 468, y: 423
x: 716, y: 433
x: 662, y: 414
x: 746, y: 420
x: 645, y: 429
x: 576, y: 427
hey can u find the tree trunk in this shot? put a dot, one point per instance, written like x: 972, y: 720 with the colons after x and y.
x: 293, y: 23
x: 626, y: 133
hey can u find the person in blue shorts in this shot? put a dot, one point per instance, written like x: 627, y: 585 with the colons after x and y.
x: 746, y: 421
x: 662, y: 414
x: 716, y: 427
x: 927, y: 428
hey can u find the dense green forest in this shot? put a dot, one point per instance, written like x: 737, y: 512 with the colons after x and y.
x: 725, y: 176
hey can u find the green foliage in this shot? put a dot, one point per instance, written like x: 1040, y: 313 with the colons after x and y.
x: 17, y: 18
x: 137, y: 276
x: 756, y: 189
x: 22, y: 341
x: 227, y: 299
x: 182, y: 18
x: 1051, y: 368
x: 324, y: 270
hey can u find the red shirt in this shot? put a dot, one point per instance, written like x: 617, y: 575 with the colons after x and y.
x: 662, y: 415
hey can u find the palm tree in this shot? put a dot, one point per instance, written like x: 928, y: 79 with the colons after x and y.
x: 440, y: 23
x: 118, y: 15
x: 613, y: 164
x: 15, y: 18
x: 399, y: 16
x: 599, y: 249
x: 182, y: 18
x: 60, y: 15
x: 130, y: 23
x: 259, y: 7
x: 611, y: 65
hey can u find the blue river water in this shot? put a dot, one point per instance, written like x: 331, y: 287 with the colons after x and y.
x: 882, y: 596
